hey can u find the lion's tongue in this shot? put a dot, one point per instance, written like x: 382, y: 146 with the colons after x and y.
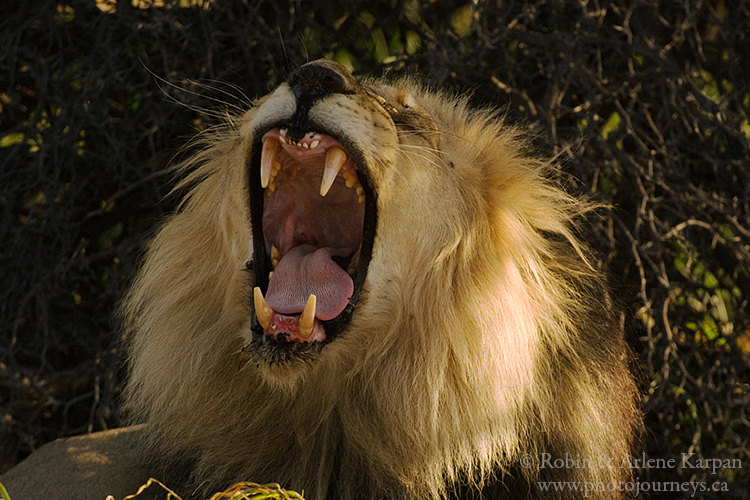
x: 306, y: 270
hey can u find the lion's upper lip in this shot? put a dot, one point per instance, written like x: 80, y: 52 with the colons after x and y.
x: 312, y: 230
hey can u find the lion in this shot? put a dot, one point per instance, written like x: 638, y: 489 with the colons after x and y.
x: 372, y: 290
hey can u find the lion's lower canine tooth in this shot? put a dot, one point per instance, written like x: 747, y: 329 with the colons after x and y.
x: 262, y: 310
x: 307, y: 318
x: 267, y: 158
x: 335, y: 159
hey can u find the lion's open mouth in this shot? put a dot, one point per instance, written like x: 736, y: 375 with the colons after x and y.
x: 312, y: 241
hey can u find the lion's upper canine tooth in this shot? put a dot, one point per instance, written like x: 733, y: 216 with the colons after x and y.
x: 262, y: 310
x: 267, y: 159
x: 335, y: 159
x: 307, y: 318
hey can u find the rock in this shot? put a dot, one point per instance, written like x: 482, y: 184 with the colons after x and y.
x: 87, y: 467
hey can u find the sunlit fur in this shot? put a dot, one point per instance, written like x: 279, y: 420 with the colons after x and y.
x: 484, y: 332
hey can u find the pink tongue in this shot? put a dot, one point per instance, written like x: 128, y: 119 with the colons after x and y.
x: 307, y: 269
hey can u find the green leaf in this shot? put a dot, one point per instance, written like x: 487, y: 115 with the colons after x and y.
x: 710, y: 280
x: 612, y: 124
x: 709, y: 327
x: 108, y: 237
x: 11, y: 139
x: 462, y: 20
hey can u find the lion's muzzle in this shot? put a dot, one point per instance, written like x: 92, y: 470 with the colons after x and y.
x: 312, y: 238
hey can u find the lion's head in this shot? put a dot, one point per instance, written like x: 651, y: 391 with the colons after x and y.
x: 373, y: 291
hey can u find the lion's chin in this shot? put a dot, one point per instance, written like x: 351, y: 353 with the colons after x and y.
x: 283, y: 365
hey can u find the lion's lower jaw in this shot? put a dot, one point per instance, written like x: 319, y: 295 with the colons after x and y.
x: 281, y: 374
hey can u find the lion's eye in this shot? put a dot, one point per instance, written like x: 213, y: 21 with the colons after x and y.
x: 413, y: 117
x: 389, y: 108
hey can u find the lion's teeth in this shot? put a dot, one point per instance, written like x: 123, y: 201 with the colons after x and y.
x: 335, y: 159
x: 262, y: 310
x: 360, y: 194
x: 350, y: 177
x: 267, y: 160
x: 314, y: 144
x: 353, y: 266
x: 275, y: 256
x: 307, y: 318
x: 352, y: 181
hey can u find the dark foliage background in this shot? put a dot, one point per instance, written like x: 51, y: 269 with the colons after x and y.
x: 647, y: 103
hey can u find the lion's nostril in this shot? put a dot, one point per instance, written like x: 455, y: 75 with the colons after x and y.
x: 319, y: 79
x: 313, y: 82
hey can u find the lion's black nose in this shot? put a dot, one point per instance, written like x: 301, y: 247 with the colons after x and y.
x: 319, y: 79
x: 313, y: 82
